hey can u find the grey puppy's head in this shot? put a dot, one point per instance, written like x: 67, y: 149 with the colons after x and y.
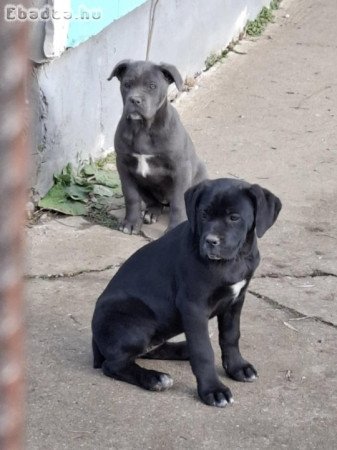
x: 144, y: 86
x: 225, y: 214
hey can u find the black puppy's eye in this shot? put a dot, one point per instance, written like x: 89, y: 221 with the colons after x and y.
x: 234, y: 217
x: 127, y: 84
x: 152, y: 85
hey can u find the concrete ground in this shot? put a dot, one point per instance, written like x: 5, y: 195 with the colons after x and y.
x: 269, y: 116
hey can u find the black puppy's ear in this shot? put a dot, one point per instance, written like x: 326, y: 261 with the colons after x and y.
x: 119, y: 69
x: 192, y: 199
x: 267, y: 207
x: 172, y: 75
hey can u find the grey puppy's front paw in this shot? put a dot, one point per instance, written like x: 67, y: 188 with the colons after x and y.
x: 152, y: 214
x: 130, y: 227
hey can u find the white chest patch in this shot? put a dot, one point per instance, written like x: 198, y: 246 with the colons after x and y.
x: 143, y: 167
x: 236, y: 288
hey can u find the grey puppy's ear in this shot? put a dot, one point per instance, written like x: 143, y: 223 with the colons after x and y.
x: 172, y: 75
x: 267, y: 207
x: 119, y: 69
x: 192, y: 199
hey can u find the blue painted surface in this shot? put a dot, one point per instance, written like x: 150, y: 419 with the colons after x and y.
x: 107, y: 10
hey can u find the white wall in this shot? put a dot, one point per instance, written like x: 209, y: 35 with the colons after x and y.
x: 79, y: 109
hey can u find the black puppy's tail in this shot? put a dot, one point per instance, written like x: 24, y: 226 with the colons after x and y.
x: 98, y: 357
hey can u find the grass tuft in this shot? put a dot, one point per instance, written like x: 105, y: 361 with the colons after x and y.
x: 256, y: 27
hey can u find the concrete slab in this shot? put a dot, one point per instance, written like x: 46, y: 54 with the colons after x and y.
x: 70, y: 405
x: 297, y: 248
x: 312, y: 296
x: 69, y: 245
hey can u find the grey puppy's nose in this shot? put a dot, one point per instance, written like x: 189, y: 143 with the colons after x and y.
x: 213, y: 240
x: 135, y: 100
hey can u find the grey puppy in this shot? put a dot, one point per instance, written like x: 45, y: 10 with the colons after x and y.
x: 156, y: 159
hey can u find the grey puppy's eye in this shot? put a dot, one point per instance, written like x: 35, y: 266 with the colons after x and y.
x: 152, y: 85
x: 127, y: 84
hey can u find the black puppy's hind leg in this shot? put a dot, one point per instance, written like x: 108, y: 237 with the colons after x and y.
x: 169, y: 350
x: 124, y: 347
x: 134, y: 374
x: 98, y: 357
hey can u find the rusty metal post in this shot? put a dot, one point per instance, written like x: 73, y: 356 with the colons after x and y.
x: 13, y: 176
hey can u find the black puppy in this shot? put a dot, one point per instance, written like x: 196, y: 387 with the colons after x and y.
x: 199, y: 270
x: 156, y: 159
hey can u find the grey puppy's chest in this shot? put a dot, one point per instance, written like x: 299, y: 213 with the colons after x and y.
x: 150, y: 169
x: 146, y: 157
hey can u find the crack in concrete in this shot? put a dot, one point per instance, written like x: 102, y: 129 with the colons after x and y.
x: 290, y: 310
x: 314, y: 274
x: 71, y: 274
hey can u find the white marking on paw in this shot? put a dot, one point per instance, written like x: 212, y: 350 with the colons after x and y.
x: 143, y: 167
x: 236, y: 288
x: 166, y: 381
x: 222, y: 403
x: 251, y: 378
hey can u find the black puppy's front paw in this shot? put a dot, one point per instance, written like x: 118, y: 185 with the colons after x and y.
x: 130, y: 227
x: 241, y: 371
x: 219, y: 395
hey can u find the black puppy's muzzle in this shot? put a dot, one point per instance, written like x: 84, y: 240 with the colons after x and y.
x: 211, y: 246
x: 214, y: 248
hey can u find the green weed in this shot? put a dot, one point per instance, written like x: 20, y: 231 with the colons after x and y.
x: 257, y: 26
x: 87, y: 191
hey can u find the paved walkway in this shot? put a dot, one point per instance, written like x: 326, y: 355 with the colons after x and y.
x: 268, y: 116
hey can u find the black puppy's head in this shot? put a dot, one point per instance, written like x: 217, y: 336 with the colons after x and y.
x: 144, y: 86
x: 223, y: 213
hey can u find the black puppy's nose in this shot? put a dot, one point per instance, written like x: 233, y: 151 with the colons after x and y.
x: 135, y: 100
x: 213, y: 240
